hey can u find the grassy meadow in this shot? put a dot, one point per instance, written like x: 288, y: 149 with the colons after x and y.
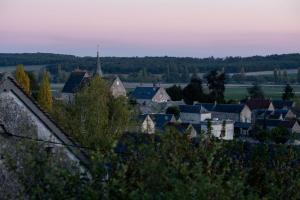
x: 237, y: 92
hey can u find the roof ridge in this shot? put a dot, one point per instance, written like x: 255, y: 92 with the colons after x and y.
x: 46, y: 114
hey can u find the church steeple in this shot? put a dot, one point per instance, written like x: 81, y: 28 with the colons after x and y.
x: 98, y: 69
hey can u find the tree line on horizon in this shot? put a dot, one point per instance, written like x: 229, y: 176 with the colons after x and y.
x: 154, y: 65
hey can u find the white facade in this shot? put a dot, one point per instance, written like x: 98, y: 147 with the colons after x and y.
x: 161, y: 96
x: 246, y: 114
x: 148, y: 125
x: 117, y: 88
x: 217, y: 127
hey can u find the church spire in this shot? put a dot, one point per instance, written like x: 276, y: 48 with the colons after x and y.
x: 98, y: 69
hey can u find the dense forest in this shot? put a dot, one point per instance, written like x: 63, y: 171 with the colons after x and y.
x: 155, y: 65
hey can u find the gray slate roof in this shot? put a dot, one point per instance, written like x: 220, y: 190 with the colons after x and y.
x: 242, y: 125
x: 280, y: 104
x: 192, y: 109
x: 8, y: 83
x: 159, y: 119
x: 144, y: 92
x: 226, y: 108
x: 75, y: 81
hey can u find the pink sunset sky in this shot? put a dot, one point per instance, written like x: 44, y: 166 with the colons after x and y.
x: 197, y: 28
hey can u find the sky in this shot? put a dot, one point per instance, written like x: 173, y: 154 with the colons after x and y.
x: 194, y: 28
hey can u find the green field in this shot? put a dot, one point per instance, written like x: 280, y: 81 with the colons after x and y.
x: 238, y: 92
x: 235, y: 92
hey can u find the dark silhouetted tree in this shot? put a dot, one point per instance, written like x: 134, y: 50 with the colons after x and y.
x: 216, y: 85
x: 288, y: 93
x: 256, y: 92
x: 175, y: 92
x: 173, y: 110
x: 193, y: 91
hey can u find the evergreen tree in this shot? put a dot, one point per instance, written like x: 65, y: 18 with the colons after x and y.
x: 288, y: 93
x: 173, y: 110
x: 44, y: 95
x: 256, y: 92
x: 22, y: 78
x: 216, y: 85
x: 194, y: 91
x: 175, y: 92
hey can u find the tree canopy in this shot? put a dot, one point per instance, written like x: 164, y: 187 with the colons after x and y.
x: 216, y: 85
x: 288, y: 93
x: 44, y: 95
x: 23, y: 78
x: 256, y: 92
x: 193, y: 91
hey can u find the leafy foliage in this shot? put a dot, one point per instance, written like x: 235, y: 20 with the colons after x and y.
x: 194, y: 91
x: 216, y: 85
x: 22, y: 78
x: 256, y: 92
x: 288, y: 93
x: 175, y: 92
x: 171, y: 167
x: 44, y: 95
x: 173, y: 110
x: 96, y: 118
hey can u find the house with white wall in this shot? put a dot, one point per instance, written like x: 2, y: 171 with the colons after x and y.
x: 146, y: 95
x: 193, y: 114
x: 219, y: 127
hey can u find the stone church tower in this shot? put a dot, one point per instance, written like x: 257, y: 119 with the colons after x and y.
x: 98, y: 69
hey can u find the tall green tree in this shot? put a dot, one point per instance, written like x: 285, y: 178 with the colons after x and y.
x: 98, y: 119
x: 22, y: 78
x: 44, y: 95
x: 173, y: 110
x: 194, y: 91
x: 175, y: 92
x: 288, y: 92
x: 34, y: 86
x: 216, y: 85
x: 256, y: 92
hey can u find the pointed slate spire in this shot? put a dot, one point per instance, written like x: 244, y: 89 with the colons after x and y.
x: 98, y: 69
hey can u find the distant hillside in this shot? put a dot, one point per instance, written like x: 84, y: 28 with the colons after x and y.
x: 155, y: 65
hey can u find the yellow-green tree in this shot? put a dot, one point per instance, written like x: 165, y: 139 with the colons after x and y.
x: 44, y: 94
x: 97, y: 119
x: 22, y: 78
